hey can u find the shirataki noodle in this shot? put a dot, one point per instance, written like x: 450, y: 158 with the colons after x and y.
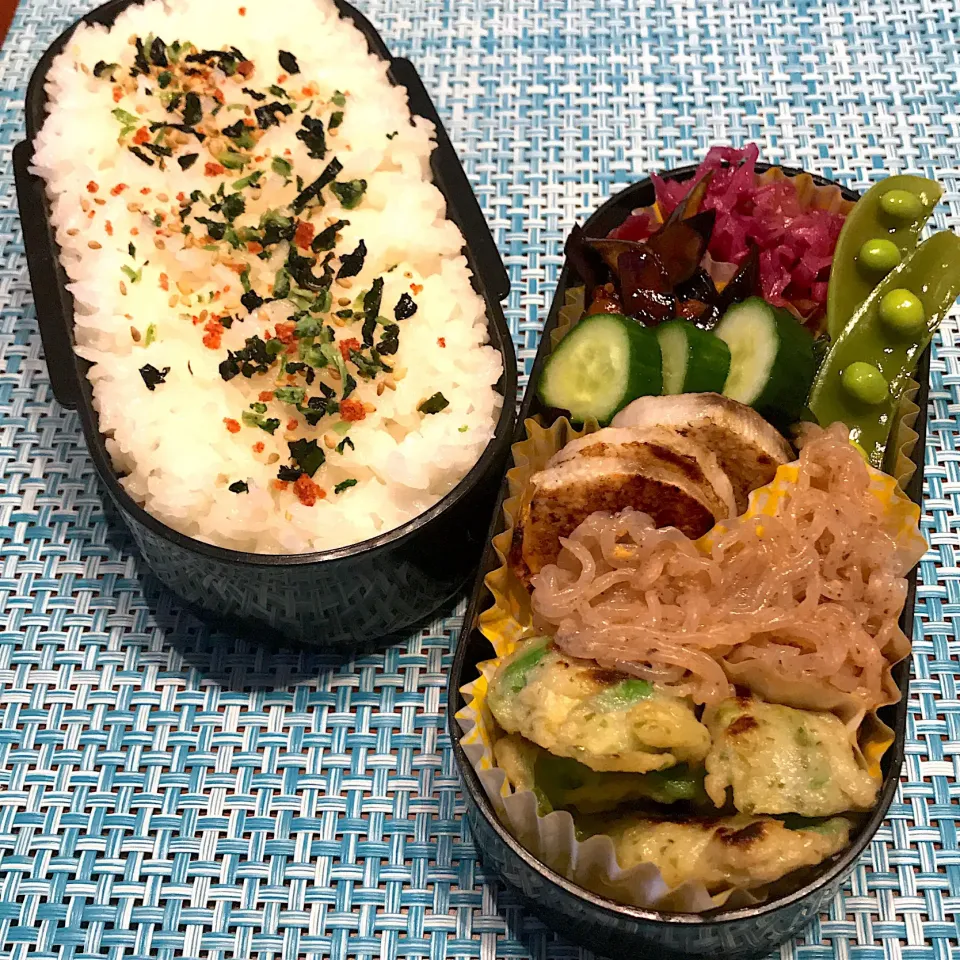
x: 813, y: 592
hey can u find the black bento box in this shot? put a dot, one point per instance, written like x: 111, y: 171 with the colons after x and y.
x: 594, y: 921
x: 340, y: 597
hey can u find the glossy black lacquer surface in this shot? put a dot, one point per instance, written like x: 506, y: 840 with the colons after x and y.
x: 341, y: 597
x: 600, y: 924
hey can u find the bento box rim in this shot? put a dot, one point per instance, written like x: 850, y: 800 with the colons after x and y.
x: 486, y: 265
x: 479, y: 598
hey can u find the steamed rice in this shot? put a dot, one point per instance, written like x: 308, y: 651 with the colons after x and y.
x: 150, y: 298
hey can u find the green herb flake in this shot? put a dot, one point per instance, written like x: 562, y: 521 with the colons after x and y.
x: 349, y: 193
x: 130, y: 121
x: 131, y: 249
x: 390, y: 136
x: 463, y: 429
x: 346, y: 441
x: 233, y: 161
x: 307, y: 327
x: 248, y: 181
x: 163, y: 80
x: 245, y: 280
x: 338, y: 99
x: 336, y: 119
x: 277, y: 91
x: 344, y: 485
x: 133, y: 275
x: 434, y: 404
x: 150, y: 335
x: 292, y: 395
x: 281, y: 167
x: 258, y: 420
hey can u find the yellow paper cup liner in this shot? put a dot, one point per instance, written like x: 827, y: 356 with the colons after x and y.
x: 553, y: 839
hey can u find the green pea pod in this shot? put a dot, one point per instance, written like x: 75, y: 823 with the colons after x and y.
x: 932, y: 275
x: 851, y: 280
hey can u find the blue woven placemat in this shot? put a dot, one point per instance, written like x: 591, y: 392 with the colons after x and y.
x: 169, y: 792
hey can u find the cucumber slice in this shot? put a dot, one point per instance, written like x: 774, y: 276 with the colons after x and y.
x: 694, y: 361
x: 605, y: 362
x: 771, y: 359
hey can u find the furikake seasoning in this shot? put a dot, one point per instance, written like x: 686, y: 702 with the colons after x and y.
x: 210, y: 111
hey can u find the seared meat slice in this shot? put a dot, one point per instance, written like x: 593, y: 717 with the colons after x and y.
x: 748, y: 449
x: 674, y: 480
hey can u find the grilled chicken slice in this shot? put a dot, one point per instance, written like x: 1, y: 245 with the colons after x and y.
x: 748, y: 449
x: 657, y: 471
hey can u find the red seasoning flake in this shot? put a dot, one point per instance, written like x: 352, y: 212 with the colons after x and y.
x: 352, y: 410
x: 243, y: 13
x: 212, y: 333
x: 141, y: 136
x: 117, y: 94
x: 285, y: 331
x: 281, y: 78
x: 307, y: 491
x: 346, y: 346
x: 280, y: 484
x: 292, y: 424
x: 92, y: 186
x: 232, y: 425
x: 441, y: 341
x: 258, y: 447
x: 164, y: 282
x: 108, y: 226
x: 214, y: 169
x: 304, y: 234
x: 181, y: 196
x: 144, y: 190
x: 254, y: 247
x: 118, y: 189
x: 265, y: 395
x: 416, y: 287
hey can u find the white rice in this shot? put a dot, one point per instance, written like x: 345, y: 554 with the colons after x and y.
x: 173, y: 445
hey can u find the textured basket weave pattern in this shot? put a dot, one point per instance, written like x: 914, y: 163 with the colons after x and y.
x: 168, y: 792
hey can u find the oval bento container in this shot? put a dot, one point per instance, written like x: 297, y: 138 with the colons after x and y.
x: 343, y: 597
x: 603, y: 925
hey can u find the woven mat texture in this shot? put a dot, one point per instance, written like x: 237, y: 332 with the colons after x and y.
x: 169, y: 792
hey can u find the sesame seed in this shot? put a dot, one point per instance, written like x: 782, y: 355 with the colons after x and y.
x: 123, y: 292
x: 329, y: 441
x: 94, y: 245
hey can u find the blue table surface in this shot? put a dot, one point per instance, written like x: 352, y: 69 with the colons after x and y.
x: 167, y: 791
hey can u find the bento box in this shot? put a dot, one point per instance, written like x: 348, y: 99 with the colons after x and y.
x: 336, y: 597
x: 582, y: 893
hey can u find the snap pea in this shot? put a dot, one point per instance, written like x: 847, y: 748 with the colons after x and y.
x: 930, y: 275
x: 893, y: 210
